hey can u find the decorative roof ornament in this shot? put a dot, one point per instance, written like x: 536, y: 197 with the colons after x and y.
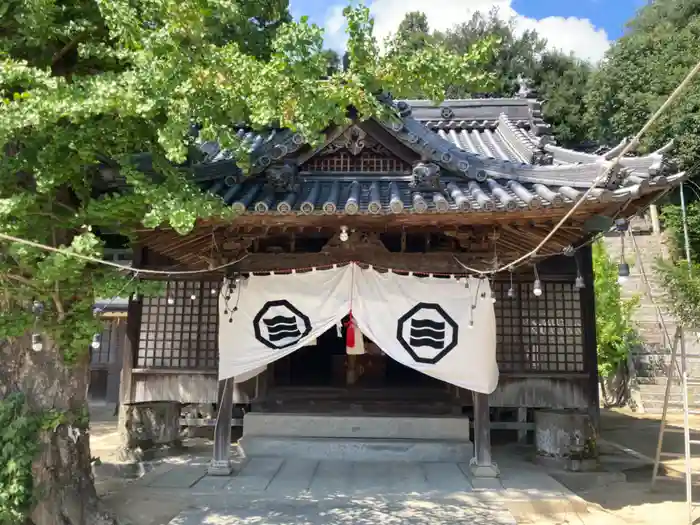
x: 404, y: 108
x: 616, y: 175
x: 525, y: 90
x: 385, y: 97
x: 540, y: 156
x: 447, y: 113
x: 426, y: 175
x: 664, y: 166
x: 354, y: 139
x: 283, y: 178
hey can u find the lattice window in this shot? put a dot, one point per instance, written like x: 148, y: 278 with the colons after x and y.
x: 365, y: 162
x: 109, y: 342
x: 539, y: 334
x: 183, y: 334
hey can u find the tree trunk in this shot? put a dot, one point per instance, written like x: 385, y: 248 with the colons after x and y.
x: 616, y: 387
x: 63, y: 482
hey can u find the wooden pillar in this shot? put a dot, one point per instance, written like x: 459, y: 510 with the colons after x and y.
x: 116, y: 344
x: 522, y: 419
x: 221, y: 461
x: 482, y: 465
x: 655, y: 223
x: 590, y: 358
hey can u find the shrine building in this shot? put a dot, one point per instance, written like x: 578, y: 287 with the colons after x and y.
x: 383, y: 231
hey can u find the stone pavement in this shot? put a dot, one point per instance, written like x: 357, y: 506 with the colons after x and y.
x: 366, y: 510
x: 276, y: 491
x: 268, y: 490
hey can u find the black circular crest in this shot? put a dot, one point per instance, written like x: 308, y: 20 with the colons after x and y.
x: 427, y: 333
x: 279, y: 324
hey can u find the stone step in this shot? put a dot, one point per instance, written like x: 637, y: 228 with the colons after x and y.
x: 646, y: 304
x: 349, y: 449
x: 364, y: 408
x: 649, y: 315
x: 356, y: 427
x: 694, y: 401
x: 652, y: 321
x: 656, y: 407
x: 651, y: 380
x: 637, y: 287
x: 660, y: 388
x: 653, y: 337
x: 659, y: 380
x: 662, y: 362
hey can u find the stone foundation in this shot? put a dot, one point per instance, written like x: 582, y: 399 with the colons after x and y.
x: 145, y: 427
x: 557, y: 434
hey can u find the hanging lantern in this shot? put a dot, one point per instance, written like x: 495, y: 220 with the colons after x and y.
x: 579, y: 283
x: 623, y: 269
x: 623, y: 272
x: 537, y: 288
x: 537, y: 285
x: 511, y: 290
x: 37, y: 308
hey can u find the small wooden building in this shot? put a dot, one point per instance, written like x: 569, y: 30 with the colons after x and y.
x: 106, y: 348
x: 476, y: 183
x: 106, y: 353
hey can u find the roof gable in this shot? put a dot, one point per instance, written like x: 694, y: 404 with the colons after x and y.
x: 359, y: 148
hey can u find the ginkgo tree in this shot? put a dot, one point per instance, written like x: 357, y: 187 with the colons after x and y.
x: 85, y: 85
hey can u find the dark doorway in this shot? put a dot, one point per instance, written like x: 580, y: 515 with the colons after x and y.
x: 310, y: 365
x: 398, y: 375
x: 326, y: 364
x: 323, y: 378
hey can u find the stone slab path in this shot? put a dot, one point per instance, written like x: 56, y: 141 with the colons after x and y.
x: 176, y: 490
x: 281, y: 491
x: 363, y: 510
x: 284, y: 476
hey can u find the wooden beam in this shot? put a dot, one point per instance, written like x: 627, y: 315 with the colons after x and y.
x: 519, y: 232
x: 435, y: 262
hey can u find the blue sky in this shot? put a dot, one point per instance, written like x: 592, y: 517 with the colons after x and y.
x: 610, y: 15
x: 584, y: 27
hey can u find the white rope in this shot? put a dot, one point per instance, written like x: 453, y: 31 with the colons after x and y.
x: 123, y: 267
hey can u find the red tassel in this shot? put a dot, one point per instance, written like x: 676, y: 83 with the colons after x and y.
x: 350, y: 333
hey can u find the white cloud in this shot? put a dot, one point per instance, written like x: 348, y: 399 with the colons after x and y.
x: 571, y: 35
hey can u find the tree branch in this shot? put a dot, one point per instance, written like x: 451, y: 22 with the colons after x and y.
x: 67, y: 48
x: 19, y: 279
x: 56, y: 296
x: 59, y: 306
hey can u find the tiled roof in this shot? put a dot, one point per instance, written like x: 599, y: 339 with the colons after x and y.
x: 329, y: 194
x: 492, y: 155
